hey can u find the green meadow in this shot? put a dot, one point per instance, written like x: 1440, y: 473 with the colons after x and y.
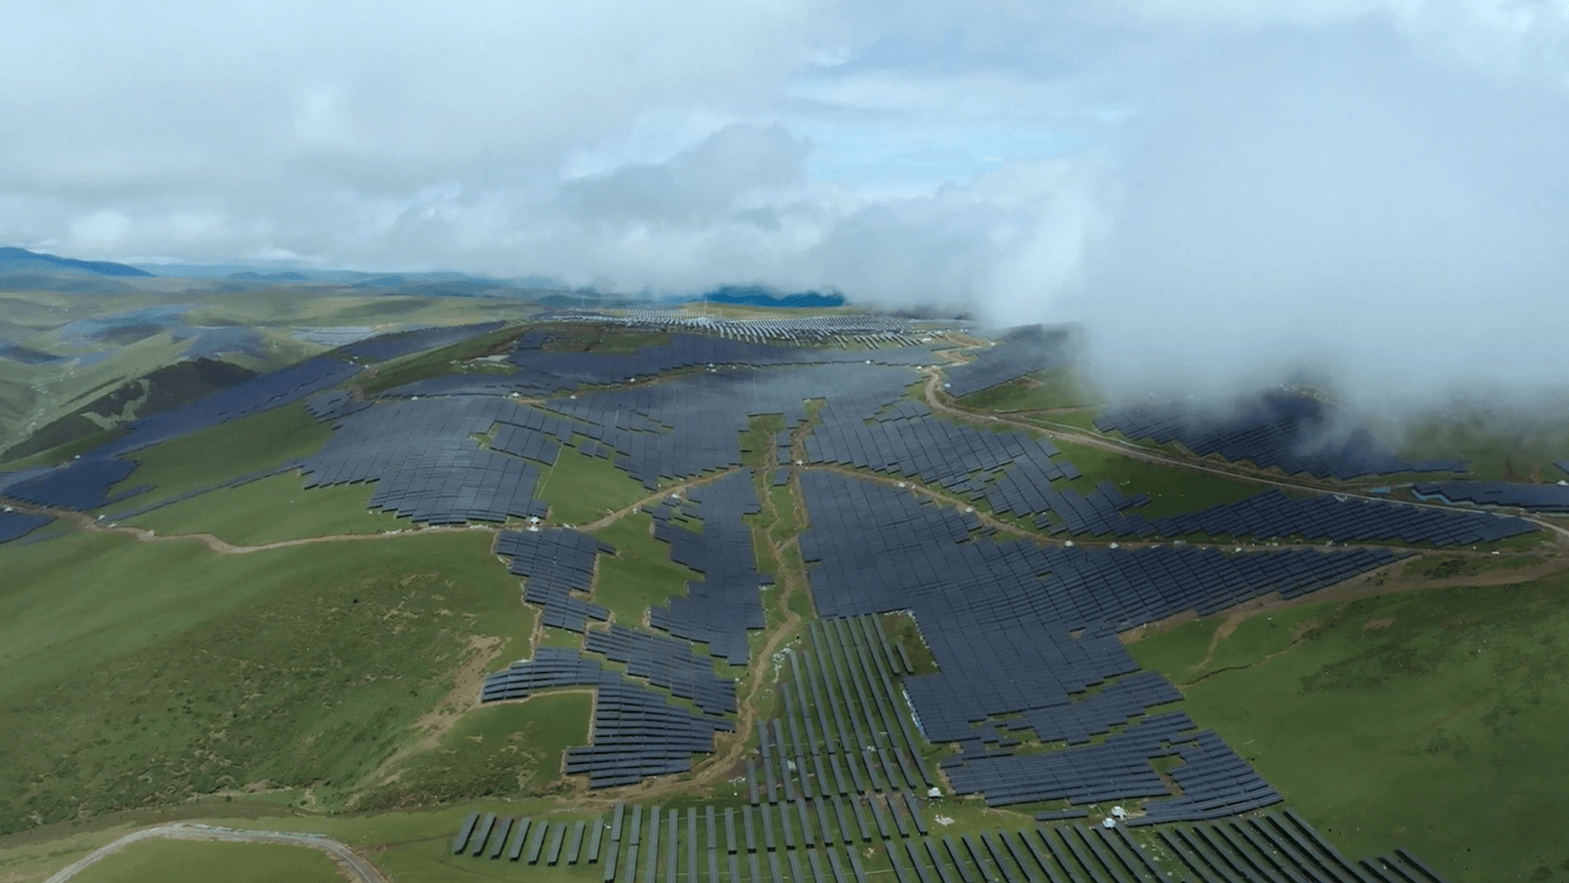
x: 1430, y: 719
x: 143, y: 674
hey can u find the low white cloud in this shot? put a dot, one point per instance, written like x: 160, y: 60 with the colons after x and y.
x: 1224, y: 191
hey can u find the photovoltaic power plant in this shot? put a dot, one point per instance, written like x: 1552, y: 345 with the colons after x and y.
x: 15, y: 525
x: 1020, y: 629
x: 426, y: 466
x: 665, y: 662
x: 281, y: 387
x: 1109, y: 512
x: 85, y: 483
x: 636, y: 731
x: 81, y: 484
x: 930, y: 624
x: 403, y: 343
x: 1017, y: 353
x: 660, y: 844
x: 556, y: 563
x: 1290, y: 432
x: 718, y: 609
x: 865, y: 329
x: 1552, y: 498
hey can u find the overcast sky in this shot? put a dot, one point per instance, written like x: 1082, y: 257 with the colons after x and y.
x: 1220, y: 188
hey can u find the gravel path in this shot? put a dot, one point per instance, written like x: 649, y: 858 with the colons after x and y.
x: 345, y: 858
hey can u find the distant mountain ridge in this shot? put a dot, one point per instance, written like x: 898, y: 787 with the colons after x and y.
x: 760, y: 296
x: 20, y: 260
x: 287, y: 276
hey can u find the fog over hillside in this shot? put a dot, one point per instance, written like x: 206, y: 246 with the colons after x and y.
x: 1366, y: 194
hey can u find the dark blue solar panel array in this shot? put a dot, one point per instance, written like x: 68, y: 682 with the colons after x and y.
x: 1019, y: 352
x: 427, y: 465
x: 690, y: 351
x: 543, y: 371
x: 556, y: 562
x: 1535, y: 497
x: 272, y: 390
x: 691, y: 424
x: 85, y: 483
x: 79, y: 484
x: 1119, y: 768
x: 1268, y: 514
x: 15, y: 525
x: 333, y: 404
x: 1272, y: 513
x: 1280, y: 430
x: 1015, y: 627
x: 1215, y: 783
x: 907, y: 439
x: 1121, y: 700
x: 1278, y: 847
x: 665, y: 662
x: 719, y: 608
x: 403, y: 343
x: 637, y: 733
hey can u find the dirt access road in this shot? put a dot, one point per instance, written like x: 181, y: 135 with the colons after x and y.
x: 942, y: 403
x: 349, y: 863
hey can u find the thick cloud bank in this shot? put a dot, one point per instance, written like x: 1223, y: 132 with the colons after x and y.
x: 1339, y: 207
x: 1231, y: 192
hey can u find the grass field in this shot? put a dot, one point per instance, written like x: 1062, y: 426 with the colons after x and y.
x: 580, y: 488
x: 640, y: 574
x: 1431, y: 719
x: 229, y: 450
x: 143, y: 674
x: 66, y: 451
x: 271, y: 510
x: 508, y: 751
x: 445, y: 360
x: 1509, y: 443
x: 176, y: 861
x: 1171, y: 491
x: 1054, y: 388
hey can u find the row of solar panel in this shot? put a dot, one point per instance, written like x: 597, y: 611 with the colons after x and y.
x: 719, y: 609
x: 636, y: 732
x: 840, y: 705
x: 1291, y: 432
x: 1534, y: 497
x: 15, y: 525
x: 556, y: 562
x: 1003, y: 637
x: 403, y: 343
x: 1020, y: 352
x: 531, y: 842
x: 665, y: 662
x: 1281, y: 846
x: 938, y: 451
x: 1265, y: 515
x: 1267, y: 847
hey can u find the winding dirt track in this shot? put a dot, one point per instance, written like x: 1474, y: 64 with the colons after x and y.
x: 349, y: 863
x: 940, y: 402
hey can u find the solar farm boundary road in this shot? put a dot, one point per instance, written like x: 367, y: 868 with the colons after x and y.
x: 946, y: 405
x: 1358, y: 586
x: 1008, y: 527
x: 345, y: 858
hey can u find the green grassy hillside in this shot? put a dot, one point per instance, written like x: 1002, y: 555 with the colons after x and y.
x: 141, y: 674
x: 1430, y: 719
